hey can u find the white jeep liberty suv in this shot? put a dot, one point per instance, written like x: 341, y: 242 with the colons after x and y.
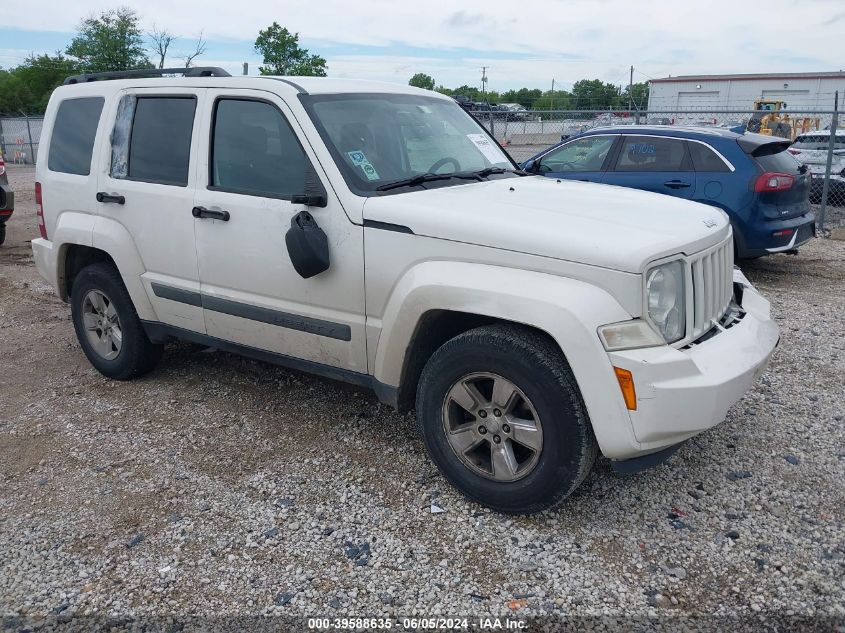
x: 375, y: 233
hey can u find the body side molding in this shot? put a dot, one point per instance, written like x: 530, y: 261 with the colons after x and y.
x: 329, y: 329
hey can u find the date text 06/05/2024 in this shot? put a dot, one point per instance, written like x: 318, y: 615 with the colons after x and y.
x: 417, y: 624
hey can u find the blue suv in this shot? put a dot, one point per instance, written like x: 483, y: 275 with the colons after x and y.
x: 752, y: 177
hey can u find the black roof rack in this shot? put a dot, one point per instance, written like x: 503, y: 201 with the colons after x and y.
x: 200, y: 71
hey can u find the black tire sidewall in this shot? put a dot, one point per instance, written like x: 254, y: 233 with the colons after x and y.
x: 557, y: 402
x: 100, y: 277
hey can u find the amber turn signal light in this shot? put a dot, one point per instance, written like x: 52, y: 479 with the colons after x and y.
x: 626, y: 384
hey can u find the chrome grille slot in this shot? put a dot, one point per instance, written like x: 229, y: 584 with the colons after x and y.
x: 712, y: 286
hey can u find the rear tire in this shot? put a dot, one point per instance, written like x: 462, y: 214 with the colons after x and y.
x: 539, y: 470
x: 107, y: 325
x: 2, y: 233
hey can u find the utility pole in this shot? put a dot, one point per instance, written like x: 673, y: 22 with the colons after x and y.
x: 630, y: 89
x: 552, y: 100
x: 484, y: 82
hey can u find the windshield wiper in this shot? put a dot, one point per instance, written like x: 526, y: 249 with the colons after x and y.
x: 488, y: 171
x: 416, y: 181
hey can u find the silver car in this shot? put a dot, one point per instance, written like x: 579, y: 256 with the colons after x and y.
x: 811, y: 149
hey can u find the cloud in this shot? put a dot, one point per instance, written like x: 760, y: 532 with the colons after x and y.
x: 522, y: 44
x: 461, y: 19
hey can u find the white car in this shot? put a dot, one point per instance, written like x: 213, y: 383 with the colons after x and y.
x: 812, y: 149
x: 375, y: 233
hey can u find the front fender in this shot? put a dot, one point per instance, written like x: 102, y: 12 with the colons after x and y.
x: 568, y: 310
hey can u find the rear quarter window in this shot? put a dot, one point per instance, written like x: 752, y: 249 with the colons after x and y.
x: 74, y: 131
x: 705, y: 159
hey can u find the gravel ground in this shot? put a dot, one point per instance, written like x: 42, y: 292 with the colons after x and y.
x: 219, y: 487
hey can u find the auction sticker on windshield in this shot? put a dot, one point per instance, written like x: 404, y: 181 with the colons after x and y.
x: 359, y: 159
x: 488, y: 149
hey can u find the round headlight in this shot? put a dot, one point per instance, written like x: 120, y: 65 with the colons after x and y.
x: 665, y: 293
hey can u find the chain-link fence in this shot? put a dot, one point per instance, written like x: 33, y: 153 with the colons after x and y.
x: 19, y: 137
x: 816, y: 139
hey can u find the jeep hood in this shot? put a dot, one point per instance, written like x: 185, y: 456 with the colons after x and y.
x: 602, y: 225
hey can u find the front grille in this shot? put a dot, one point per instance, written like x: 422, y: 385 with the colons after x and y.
x: 712, y: 286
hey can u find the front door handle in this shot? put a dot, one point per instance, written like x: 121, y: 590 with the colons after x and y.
x: 114, y: 198
x: 676, y: 184
x: 214, y: 214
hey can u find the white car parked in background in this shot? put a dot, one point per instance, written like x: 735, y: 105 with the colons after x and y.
x: 812, y: 149
x: 375, y: 233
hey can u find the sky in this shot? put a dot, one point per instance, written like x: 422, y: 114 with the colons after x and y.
x: 522, y: 43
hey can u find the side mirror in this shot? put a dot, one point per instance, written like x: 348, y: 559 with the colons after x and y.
x: 308, y: 246
x: 310, y: 200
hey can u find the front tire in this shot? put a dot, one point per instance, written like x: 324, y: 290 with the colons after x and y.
x: 2, y: 233
x: 107, y: 326
x: 503, y: 419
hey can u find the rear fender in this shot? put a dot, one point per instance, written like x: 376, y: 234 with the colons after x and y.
x: 113, y: 238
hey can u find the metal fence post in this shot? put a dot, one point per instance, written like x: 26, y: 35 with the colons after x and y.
x: 834, y: 119
x: 29, y: 134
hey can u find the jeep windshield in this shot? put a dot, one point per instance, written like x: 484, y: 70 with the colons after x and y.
x: 393, y: 143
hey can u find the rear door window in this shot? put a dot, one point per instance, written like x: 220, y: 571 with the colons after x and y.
x: 705, y: 159
x: 652, y: 153
x: 74, y: 130
x: 159, y: 147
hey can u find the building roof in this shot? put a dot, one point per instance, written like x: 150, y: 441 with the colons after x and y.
x: 753, y: 76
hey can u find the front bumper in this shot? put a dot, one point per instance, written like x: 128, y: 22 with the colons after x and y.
x: 682, y: 392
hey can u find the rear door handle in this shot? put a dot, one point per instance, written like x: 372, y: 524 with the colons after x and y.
x: 676, y: 184
x: 214, y: 214
x: 114, y: 198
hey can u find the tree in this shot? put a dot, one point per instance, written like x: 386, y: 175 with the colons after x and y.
x: 27, y: 88
x: 474, y: 94
x: 161, y: 41
x: 557, y: 100
x: 199, y: 49
x: 639, y: 96
x: 112, y: 41
x: 421, y: 80
x: 523, y: 96
x: 594, y: 94
x: 283, y: 55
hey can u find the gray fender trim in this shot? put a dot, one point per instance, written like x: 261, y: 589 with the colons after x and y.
x: 161, y: 333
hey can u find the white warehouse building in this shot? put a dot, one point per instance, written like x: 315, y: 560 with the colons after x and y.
x: 800, y: 91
